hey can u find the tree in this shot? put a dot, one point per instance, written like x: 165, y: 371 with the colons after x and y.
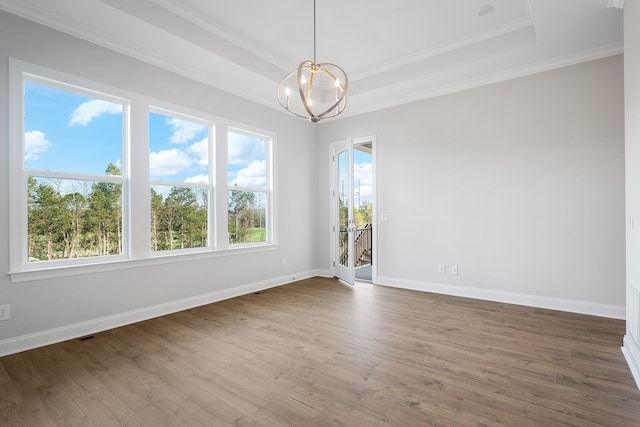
x: 182, y: 205
x: 103, y: 218
x: 200, y: 227
x: 47, y: 219
x: 364, y: 214
x: 68, y: 218
x: 75, y: 203
x: 241, y: 212
x: 157, y: 208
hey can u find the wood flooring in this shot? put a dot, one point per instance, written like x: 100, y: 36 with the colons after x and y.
x: 317, y: 353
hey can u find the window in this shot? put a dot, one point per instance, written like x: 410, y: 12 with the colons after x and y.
x: 249, y: 187
x: 180, y: 180
x: 74, y: 208
x: 86, y: 194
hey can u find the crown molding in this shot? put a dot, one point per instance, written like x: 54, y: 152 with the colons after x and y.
x: 57, y: 21
x: 484, y: 80
x: 444, y: 48
x: 259, y: 89
x: 193, y: 17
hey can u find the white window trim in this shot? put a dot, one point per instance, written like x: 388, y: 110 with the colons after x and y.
x: 136, y: 183
x: 269, y: 190
x: 209, y: 121
x: 19, y: 72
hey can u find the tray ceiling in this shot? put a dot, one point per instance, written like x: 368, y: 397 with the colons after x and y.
x: 394, y: 52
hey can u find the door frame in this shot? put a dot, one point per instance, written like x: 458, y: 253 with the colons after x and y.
x: 333, y: 220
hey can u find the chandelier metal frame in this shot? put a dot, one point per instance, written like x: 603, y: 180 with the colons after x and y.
x: 308, y: 73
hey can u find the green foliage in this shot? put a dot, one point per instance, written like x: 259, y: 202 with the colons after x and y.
x: 75, y: 219
x: 180, y: 220
x: 363, y: 215
x: 72, y: 219
x: 246, y: 218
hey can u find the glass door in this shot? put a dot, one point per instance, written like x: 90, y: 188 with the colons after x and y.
x: 343, y: 214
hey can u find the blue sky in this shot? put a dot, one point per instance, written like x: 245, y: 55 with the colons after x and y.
x: 178, y: 149
x: 362, y: 177
x: 68, y: 132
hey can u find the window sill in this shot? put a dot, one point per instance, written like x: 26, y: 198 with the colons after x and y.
x: 43, y: 273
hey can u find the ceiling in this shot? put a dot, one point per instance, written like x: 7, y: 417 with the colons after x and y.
x: 394, y: 52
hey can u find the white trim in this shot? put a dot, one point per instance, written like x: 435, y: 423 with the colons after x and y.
x: 63, y: 333
x: 333, y: 147
x: 333, y: 220
x: 17, y: 183
x: 136, y: 251
x: 57, y: 21
x: 451, y: 46
x: 157, y: 258
x: 387, y: 100
x: 374, y: 201
x: 86, y: 32
x: 19, y: 73
x: 632, y: 356
x: 324, y: 273
x: 194, y: 17
x: 571, y: 306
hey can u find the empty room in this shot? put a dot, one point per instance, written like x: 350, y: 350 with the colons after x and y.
x: 319, y: 213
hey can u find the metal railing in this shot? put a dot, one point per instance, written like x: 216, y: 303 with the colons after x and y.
x: 362, y: 246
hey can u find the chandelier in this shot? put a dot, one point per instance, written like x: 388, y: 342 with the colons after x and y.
x: 321, y: 88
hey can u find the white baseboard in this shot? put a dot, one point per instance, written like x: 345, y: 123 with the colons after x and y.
x: 632, y: 356
x: 323, y: 273
x: 572, y: 306
x: 52, y: 336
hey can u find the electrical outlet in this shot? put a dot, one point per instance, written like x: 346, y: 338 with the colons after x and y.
x: 284, y: 262
x: 442, y: 269
x: 454, y: 270
x: 5, y: 312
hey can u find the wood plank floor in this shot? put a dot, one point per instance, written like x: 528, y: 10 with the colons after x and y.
x: 320, y: 354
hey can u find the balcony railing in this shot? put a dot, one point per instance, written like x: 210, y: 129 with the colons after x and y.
x: 363, y: 246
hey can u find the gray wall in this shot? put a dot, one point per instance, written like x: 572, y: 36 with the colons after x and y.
x: 632, y: 144
x: 44, y: 305
x: 520, y: 184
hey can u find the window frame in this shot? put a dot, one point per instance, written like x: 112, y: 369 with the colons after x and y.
x: 20, y: 73
x: 210, y: 122
x: 135, y: 181
x: 268, y: 189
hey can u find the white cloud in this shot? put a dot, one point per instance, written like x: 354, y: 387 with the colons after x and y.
x: 198, y: 179
x: 363, y: 172
x: 35, y: 142
x: 201, y: 151
x: 363, y: 181
x: 168, y: 162
x: 254, y: 175
x: 184, y: 131
x: 244, y: 149
x: 89, y: 110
